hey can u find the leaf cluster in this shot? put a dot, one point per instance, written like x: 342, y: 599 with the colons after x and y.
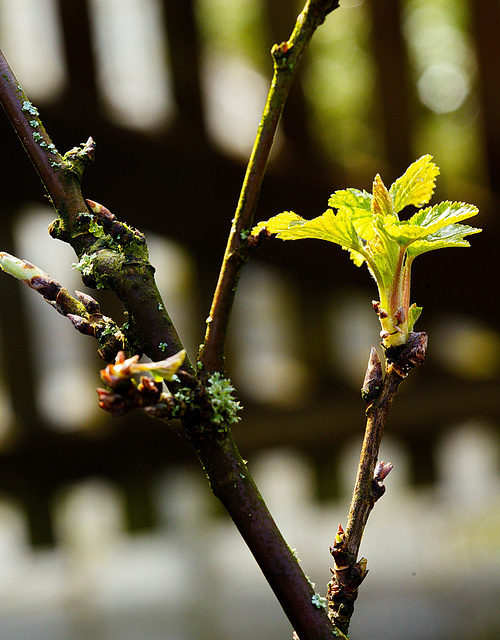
x: 369, y: 226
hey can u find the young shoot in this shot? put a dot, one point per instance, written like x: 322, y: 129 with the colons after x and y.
x: 369, y: 227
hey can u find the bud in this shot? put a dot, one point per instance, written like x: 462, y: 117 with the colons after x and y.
x: 20, y: 269
x: 382, y: 202
x: 372, y: 384
x: 413, y: 353
x: 339, y: 536
x: 113, y: 403
x: 101, y: 211
x: 125, y: 368
x: 80, y: 324
x: 91, y: 305
x: 382, y: 470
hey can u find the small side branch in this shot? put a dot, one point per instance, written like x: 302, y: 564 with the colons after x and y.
x: 348, y: 572
x: 111, y: 254
x: 286, y: 57
x: 364, y: 496
x: 56, y: 171
x: 83, y: 311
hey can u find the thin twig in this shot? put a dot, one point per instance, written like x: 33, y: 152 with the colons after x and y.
x: 63, y: 189
x: 400, y: 362
x: 286, y: 57
x: 348, y: 571
x: 363, y: 498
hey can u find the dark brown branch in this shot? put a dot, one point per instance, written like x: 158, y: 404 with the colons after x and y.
x: 399, y: 363
x: 232, y: 483
x: 348, y: 572
x: 124, y: 266
x: 286, y: 57
x: 50, y: 165
x: 127, y: 271
x: 363, y: 496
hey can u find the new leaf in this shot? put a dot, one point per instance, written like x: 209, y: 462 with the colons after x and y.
x: 369, y: 227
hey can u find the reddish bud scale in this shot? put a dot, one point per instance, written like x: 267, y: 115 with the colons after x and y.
x: 46, y: 286
x: 91, y: 305
x: 81, y: 324
x: 372, y: 384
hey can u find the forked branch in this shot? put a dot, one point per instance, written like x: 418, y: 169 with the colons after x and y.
x: 119, y: 261
x: 104, y: 260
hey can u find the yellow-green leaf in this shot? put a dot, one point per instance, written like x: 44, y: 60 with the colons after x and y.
x: 163, y: 370
x: 359, y: 204
x: 332, y: 227
x: 279, y: 223
x: 416, y: 185
x: 440, y: 215
x: 449, y: 236
x: 368, y: 226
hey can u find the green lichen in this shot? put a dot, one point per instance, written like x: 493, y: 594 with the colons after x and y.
x: 85, y: 215
x: 95, y: 228
x: 319, y: 602
x: 183, y: 398
x: 163, y: 346
x: 37, y: 136
x: 29, y: 108
x: 224, y: 406
x: 85, y: 266
x: 109, y: 330
x: 34, y: 123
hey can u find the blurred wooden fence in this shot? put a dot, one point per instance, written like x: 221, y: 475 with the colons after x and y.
x: 176, y: 181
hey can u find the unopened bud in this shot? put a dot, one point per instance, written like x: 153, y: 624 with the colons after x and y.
x: 91, y: 305
x: 101, y: 211
x: 372, y: 384
x: 20, y: 269
x: 339, y: 536
x: 80, y: 324
x: 382, y: 313
x: 382, y: 470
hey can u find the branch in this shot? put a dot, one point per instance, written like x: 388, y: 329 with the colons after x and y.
x: 57, y: 173
x: 119, y: 261
x: 348, y: 572
x: 207, y: 409
x: 232, y: 483
x: 83, y: 312
x: 286, y: 57
x: 111, y: 254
